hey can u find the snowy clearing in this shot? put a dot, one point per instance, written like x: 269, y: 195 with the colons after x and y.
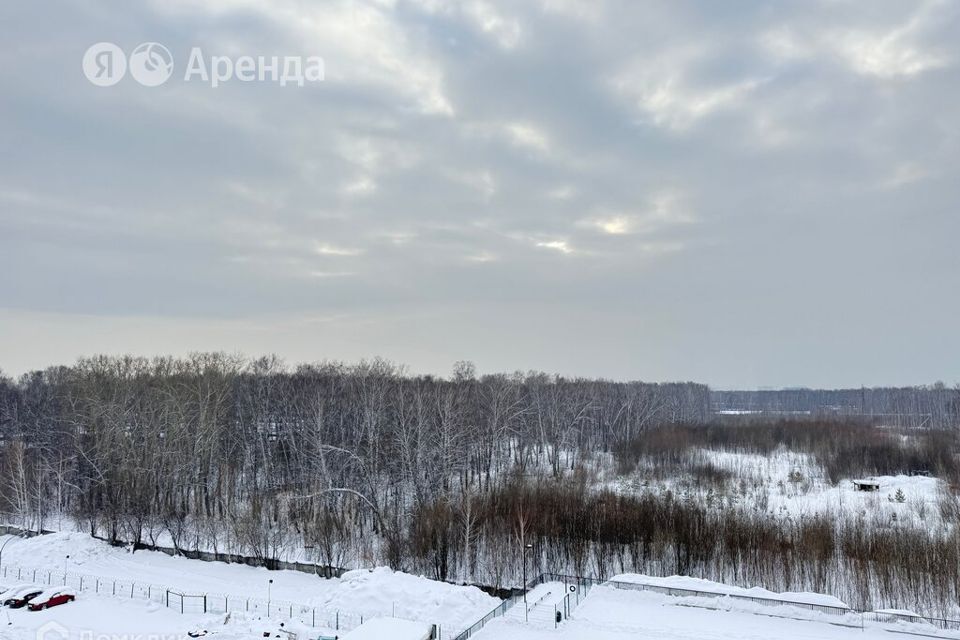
x: 791, y: 484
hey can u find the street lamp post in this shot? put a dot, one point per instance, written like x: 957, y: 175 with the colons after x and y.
x: 65, y: 569
x: 2, y: 547
x: 526, y: 612
x: 269, y: 585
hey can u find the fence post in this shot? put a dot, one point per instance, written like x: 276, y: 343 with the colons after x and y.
x: 313, y: 618
x: 168, y: 598
x: 337, y: 626
x: 131, y: 590
x: 204, y: 603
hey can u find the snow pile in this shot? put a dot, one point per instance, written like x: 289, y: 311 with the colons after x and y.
x: 415, y: 598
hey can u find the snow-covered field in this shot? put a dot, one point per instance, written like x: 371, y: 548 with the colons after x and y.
x: 380, y: 592
x: 791, y: 484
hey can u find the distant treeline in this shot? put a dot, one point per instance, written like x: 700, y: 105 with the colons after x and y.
x: 845, y: 447
x: 936, y: 406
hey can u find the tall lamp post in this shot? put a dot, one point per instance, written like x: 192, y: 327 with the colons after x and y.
x: 269, y: 585
x: 2, y: 547
x: 67, y: 557
x: 526, y: 612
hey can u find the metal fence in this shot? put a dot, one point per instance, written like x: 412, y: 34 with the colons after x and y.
x: 178, y: 600
x: 773, y: 602
x: 498, y: 611
x: 943, y: 624
x: 575, y: 588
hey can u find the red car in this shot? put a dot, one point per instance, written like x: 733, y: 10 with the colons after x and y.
x: 51, y: 598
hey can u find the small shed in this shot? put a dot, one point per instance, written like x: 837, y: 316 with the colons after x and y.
x: 392, y: 629
x: 866, y: 485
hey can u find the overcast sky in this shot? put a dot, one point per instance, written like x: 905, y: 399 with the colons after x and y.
x: 740, y: 193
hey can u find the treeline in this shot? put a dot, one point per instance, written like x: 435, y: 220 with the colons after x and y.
x: 219, y: 450
x: 845, y: 447
x: 365, y: 464
x: 600, y: 533
x: 935, y: 406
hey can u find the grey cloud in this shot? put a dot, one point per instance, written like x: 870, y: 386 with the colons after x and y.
x: 481, y: 181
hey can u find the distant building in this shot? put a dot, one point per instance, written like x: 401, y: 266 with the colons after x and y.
x: 866, y: 485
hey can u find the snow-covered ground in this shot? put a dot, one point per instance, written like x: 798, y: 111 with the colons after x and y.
x: 697, y: 584
x: 604, y: 613
x: 790, y: 484
x: 93, y: 617
x: 380, y: 592
x: 608, y: 613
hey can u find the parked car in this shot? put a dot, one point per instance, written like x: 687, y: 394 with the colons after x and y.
x: 18, y: 598
x: 51, y: 598
x: 6, y: 592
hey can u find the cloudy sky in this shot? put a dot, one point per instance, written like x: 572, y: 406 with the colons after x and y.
x: 740, y: 193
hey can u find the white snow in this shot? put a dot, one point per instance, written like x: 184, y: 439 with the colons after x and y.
x: 366, y: 593
x: 709, y: 586
x: 605, y: 613
x: 99, y: 617
x: 788, y: 484
x: 393, y: 628
x: 608, y: 613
